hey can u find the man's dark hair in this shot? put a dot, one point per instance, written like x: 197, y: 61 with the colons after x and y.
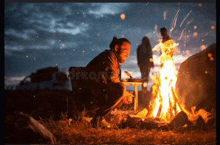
x: 118, y: 42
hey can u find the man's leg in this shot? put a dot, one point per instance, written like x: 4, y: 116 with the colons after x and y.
x: 112, y: 100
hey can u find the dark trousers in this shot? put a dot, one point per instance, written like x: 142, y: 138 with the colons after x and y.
x: 112, y: 99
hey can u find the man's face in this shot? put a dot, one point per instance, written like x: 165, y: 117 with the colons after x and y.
x: 125, y: 52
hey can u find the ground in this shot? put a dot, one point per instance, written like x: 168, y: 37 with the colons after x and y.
x: 82, y: 133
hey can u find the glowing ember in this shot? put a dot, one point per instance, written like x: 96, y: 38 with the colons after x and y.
x: 209, y: 55
x: 187, y: 52
x: 195, y: 34
x: 202, y: 47
x: 213, y: 27
x: 155, y: 27
x: 165, y: 104
x: 122, y: 16
x: 200, y: 5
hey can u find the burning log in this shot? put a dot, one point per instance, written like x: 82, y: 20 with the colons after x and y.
x: 132, y: 120
x: 179, y: 121
x: 182, y: 121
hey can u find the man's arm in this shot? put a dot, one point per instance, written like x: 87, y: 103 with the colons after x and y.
x: 112, y: 69
x: 116, y: 87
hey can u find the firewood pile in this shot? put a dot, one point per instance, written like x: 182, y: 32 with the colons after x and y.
x: 197, y: 120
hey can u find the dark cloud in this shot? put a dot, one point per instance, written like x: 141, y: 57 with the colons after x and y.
x: 39, y: 35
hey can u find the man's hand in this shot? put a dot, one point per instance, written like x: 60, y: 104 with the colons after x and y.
x: 128, y: 97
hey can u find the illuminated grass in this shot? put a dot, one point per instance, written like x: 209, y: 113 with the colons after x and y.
x: 83, y: 133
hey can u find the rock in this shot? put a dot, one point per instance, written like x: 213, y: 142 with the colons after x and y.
x: 196, y: 80
x: 21, y: 128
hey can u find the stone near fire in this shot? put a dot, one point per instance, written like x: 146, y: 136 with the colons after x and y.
x: 21, y: 128
x: 196, y: 82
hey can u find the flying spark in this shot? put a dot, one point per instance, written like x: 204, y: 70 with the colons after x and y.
x: 156, y: 27
x: 202, y: 47
x: 182, y: 34
x: 190, y: 21
x: 200, y: 5
x: 209, y: 55
x: 122, y: 17
x: 187, y: 52
x: 213, y: 27
x: 173, y: 25
x: 185, y: 18
x: 195, y: 34
x: 165, y: 14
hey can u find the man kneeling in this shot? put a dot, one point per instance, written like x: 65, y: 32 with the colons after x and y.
x: 101, y: 87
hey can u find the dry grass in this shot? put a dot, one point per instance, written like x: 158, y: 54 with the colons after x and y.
x: 81, y: 132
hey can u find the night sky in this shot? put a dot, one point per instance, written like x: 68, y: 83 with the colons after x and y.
x: 39, y: 35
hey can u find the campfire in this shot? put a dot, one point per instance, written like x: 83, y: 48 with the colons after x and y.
x: 165, y: 103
